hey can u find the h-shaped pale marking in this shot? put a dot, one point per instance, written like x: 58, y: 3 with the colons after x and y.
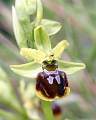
x: 51, y: 78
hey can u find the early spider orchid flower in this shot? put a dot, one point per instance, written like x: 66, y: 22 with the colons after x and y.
x: 46, y: 67
x: 44, y: 63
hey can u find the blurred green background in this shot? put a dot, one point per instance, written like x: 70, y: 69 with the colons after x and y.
x: 78, y: 18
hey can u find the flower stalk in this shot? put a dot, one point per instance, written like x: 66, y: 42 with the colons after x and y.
x: 47, y: 109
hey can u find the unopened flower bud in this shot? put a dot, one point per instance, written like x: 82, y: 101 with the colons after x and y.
x: 57, y: 111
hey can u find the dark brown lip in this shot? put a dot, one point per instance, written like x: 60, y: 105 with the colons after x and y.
x: 53, y: 89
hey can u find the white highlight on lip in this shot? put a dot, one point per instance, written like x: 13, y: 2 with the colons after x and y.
x: 51, y: 78
x: 57, y: 79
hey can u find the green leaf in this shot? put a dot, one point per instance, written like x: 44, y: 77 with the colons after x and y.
x: 70, y: 67
x: 42, y: 39
x: 33, y: 54
x: 3, y: 75
x: 22, y: 30
x: 27, y: 70
x: 58, y: 50
x: 9, y: 116
x: 18, y: 31
x: 8, y: 98
x: 52, y: 27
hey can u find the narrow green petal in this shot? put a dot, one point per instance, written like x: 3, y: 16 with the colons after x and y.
x: 58, y: 50
x: 33, y: 54
x: 27, y: 70
x: 70, y: 67
x: 42, y: 39
x: 52, y: 27
x: 39, y: 10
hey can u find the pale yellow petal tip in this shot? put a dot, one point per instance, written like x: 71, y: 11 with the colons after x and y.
x: 11, y: 66
x: 38, y: 27
x: 24, y: 51
x: 65, y: 42
x: 84, y: 66
x: 14, y: 66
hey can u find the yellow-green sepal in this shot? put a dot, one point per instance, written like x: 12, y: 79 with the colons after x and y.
x: 70, y: 67
x: 51, y: 27
x: 27, y: 70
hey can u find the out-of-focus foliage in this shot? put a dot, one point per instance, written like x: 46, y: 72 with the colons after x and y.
x: 78, y: 18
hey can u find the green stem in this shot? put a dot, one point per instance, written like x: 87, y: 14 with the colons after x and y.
x: 47, y: 109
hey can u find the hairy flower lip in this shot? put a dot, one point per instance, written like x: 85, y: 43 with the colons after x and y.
x: 49, y: 87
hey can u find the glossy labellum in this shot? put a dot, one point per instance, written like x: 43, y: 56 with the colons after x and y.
x: 51, y: 83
